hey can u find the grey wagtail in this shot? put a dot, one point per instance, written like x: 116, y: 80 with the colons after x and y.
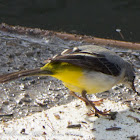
x: 85, y: 69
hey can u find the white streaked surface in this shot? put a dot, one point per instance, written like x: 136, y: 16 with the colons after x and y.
x: 52, y: 124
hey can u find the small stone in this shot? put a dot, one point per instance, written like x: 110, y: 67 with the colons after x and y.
x: 22, y: 87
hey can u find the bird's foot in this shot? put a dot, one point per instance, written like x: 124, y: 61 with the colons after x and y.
x: 103, y: 113
x: 98, y: 112
x: 92, y: 104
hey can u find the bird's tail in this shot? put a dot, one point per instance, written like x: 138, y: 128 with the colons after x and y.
x: 15, y: 75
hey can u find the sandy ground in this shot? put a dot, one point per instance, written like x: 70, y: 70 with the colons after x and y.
x: 71, y: 122
x: 41, y: 108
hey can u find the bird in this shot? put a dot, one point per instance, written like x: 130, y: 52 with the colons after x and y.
x: 86, y: 69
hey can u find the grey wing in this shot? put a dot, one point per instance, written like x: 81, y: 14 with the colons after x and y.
x: 90, y: 61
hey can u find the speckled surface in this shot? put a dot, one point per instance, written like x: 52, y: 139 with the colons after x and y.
x: 71, y: 122
x: 30, y: 95
x: 34, y: 94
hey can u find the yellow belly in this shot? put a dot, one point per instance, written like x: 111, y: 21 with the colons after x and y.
x: 91, y: 82
x: 76, y: 79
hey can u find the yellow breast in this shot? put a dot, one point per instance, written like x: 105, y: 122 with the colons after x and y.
x: 70, y: 76
x: 76, y: 79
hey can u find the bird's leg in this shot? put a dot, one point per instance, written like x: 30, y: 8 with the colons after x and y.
x: 91, y: 103
x: 97, y: 103
x: 84, y: 98
x: 79, y: 97
x: 97, y: 112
